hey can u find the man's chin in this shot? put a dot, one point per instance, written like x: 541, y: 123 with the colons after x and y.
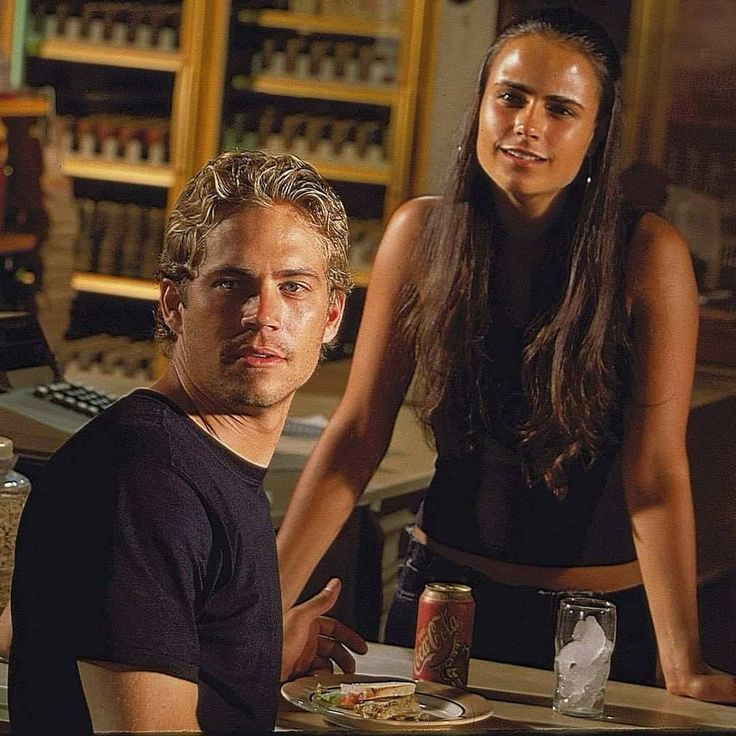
x: 244, y: 402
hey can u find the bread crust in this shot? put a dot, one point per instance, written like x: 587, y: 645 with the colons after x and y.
x: 373, y: 690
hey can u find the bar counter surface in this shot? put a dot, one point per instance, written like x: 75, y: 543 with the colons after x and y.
x: 522, y: 700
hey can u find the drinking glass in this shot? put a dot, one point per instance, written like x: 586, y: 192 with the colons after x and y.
x: 584, y: 641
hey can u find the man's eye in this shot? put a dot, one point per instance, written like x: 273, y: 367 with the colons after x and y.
x: 226, y: 284
x: 293, y: 287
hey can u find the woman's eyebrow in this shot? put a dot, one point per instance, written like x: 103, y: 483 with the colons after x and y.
x: 521, y: 87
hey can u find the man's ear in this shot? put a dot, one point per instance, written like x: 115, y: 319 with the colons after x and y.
x: 171, y: 304
x: 335, y: 311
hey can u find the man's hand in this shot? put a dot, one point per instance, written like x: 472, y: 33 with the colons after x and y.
x: 313, y: 641
x: 6, y: 632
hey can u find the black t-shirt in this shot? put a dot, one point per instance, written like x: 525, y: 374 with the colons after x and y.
x: 147, y: 543
x: 480, y: 501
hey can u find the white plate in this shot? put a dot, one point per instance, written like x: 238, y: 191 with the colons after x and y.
x: 445, y: 707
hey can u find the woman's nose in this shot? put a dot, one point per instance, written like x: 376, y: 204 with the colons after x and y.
x: 528, y: 123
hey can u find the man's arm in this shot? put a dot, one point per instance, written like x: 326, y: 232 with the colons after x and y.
x: 134, y: 630
x: 6, y: 632
x: 123, y: 699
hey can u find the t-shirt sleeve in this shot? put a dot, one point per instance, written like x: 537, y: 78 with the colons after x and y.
x: 159, y: 546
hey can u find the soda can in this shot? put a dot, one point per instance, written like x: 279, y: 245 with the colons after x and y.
x: 444, y: 634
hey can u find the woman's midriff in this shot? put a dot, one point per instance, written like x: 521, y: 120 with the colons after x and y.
x: 600, y: 578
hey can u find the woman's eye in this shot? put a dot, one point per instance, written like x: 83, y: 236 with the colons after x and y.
x: 561, y: 111
x: 512, y: 99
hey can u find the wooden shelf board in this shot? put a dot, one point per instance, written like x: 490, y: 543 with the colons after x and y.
x: 20, y: 106
x: 123, y: 56
x: 305, y: 23
x: 118, y: 171
x: 709, y: 122
x: 361, y: 277
x: 359, y: 174
x: 359, y: 93
x: 98, y: 283
x: 17, y: 242
x: 379, y: 175
x: 718, y: 315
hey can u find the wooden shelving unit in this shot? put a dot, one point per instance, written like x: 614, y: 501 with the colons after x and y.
x: 202, y: 72
x: 395, y: 101
x: 183, y: 64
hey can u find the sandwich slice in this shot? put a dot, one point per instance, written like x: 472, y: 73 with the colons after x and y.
x: 382, y: 700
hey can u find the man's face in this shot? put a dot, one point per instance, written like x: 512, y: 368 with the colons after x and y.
x: 251, y: 324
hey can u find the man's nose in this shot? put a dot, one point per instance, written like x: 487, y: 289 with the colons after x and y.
x: 262, y: 310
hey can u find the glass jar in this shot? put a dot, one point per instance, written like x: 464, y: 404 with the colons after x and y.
x: 14, y: 489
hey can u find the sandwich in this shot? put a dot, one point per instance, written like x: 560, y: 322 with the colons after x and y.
x: 382, y: 700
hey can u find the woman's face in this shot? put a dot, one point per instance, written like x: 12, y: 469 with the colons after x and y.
x: 537, y: 119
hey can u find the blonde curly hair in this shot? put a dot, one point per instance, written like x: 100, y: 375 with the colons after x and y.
x: 227, y: 185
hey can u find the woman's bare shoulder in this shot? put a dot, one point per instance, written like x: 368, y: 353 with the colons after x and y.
x: 658, y: 256
x: 413, y: 212
x: 402, y: 232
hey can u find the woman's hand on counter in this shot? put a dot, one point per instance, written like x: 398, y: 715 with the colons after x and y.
x: 711, y: 685
x: 315, y: 642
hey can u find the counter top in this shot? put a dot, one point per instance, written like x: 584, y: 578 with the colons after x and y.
x: 521, y: 698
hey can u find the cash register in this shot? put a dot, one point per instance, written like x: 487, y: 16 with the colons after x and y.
x: 39, y: 410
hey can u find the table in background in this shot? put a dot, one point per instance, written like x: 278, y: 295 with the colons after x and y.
x: 521, y: 698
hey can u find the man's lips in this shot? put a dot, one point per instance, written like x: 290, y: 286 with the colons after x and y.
x: 522, y: 154
x: 253, y: 355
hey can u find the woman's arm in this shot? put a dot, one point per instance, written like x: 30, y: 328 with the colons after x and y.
x: 664, y: 308
x: 359, y: 432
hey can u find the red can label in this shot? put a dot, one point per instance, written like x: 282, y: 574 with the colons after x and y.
x: 444, y: 634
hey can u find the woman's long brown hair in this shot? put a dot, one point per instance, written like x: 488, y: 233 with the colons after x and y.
x: 571, y: 368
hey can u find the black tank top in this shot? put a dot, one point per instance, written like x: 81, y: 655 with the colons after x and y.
x: 480, y: 502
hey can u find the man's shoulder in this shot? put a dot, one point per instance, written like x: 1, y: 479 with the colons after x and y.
x: 145, y: 436
x: 141, y: 426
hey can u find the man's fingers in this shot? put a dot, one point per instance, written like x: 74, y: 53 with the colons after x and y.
x: 335, y: 651
x: 324, y: 600
x: 340, y: 632
x: 321, y: 664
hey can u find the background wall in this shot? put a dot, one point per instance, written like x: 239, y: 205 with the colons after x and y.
x: 465, y: 30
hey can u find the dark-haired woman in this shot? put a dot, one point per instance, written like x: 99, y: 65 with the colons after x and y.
x: 552, y: 338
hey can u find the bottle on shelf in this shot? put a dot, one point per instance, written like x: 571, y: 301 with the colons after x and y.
x: 4, y: 73
x: 14, y: 489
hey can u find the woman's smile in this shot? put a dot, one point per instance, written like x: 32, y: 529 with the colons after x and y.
x: 537, y: 120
